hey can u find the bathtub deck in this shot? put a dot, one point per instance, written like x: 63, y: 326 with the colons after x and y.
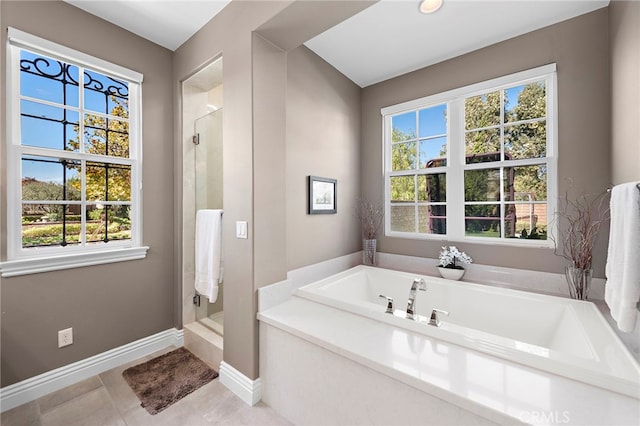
x: 500, y: 391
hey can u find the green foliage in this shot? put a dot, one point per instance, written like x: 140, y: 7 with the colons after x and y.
x: 33, y: 189
x: 95, y: 214
x: 404, y: 156
x: 51, y: 234
x: 101, y: 136
x: 535, y: 234
x: 526, y: 140
x: 532, y: 103
x: 26, y: 219
x: 482, y: 111
x: 485, y: 116
x: 106, y: 137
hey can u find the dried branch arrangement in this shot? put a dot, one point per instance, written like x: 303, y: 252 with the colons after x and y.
x: 583, y: 217
x: 370, y: 217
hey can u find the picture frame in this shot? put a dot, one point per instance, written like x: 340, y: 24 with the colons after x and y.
x: 322, y: 197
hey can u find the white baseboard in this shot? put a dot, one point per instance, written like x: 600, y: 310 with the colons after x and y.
x: 35, y: 387
x: 250, y: 391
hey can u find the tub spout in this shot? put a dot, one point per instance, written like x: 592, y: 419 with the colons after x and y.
x: 418, y: 284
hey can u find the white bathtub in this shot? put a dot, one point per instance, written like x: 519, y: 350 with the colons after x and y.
x: 559, y: 335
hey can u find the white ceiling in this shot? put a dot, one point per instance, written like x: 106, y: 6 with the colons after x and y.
x: 392, y: 37
x: 385, y: 40
x: 168, y: 23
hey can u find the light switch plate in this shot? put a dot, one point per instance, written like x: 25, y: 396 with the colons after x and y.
x: 241, y: 229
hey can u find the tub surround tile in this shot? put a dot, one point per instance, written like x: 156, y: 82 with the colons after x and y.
x: 498, y: 390
x: 312, y: 273
x: 519, y: 279
x: 631, y: 340
x: 414, y: 264
x: 276, y: 293
x: 359, y: 395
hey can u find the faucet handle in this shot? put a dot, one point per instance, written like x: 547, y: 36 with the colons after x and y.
x: 389, y: 303
x: 434, y: 320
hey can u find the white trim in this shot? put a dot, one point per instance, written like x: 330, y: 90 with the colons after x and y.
x: 36, y: 265
x: 21, y: 260
x: 12, y: 167
x: 28, y: 41
x: 250, y: 391
x: 456, y: 165
x: 35, y: 387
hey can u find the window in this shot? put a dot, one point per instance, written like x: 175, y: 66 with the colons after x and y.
x: 474, y: 164
x: 73, y: 159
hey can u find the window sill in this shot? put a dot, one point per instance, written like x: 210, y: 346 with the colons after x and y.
x: 506, y: 242
x: 13, y: 268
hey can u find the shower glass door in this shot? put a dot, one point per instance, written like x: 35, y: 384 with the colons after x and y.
x: 208, y: 168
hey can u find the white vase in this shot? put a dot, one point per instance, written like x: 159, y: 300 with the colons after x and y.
x: 451, y: 274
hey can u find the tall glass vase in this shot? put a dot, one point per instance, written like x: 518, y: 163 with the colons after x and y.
x: 369, y: 252
x: 579, y: 281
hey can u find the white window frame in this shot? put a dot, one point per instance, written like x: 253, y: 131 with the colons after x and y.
x: 456, y: 164
x: 21, y: 261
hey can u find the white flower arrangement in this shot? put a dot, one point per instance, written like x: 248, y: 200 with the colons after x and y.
x: 450, y: 255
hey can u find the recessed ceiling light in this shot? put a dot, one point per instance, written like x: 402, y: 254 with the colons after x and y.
x: 430, y: 6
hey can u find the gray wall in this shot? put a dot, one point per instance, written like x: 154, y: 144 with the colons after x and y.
x: 323, y: 139
x: 580, y: 48
x: 230, y: 33
x: 269, y: 157
x: 255, y: 152
x: 107, y: 305
x: 325, y: 117
x: 624, y: 33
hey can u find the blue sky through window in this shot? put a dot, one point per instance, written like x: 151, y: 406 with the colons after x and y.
x: 432, y: 123
x: 53, y: 127
x: 511, y: 98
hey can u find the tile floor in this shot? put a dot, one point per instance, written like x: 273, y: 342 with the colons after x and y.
x: 108, y: 400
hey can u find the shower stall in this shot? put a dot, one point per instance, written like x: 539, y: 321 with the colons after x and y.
x: 208, y: 195
x: 202, y: 185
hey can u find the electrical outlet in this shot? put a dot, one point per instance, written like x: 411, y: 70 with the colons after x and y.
x: 65, y: 337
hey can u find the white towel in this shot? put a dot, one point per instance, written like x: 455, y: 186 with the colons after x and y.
x: 622, y: 291
x: 208, y: 252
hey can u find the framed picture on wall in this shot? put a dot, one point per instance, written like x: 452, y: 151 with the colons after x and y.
x: 322, y: 195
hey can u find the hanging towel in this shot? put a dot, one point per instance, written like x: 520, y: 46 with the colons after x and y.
x: 208, y: 252
x: 622, y: 290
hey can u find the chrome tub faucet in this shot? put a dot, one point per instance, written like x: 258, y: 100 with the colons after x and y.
x: 435, y: 320
x: 418, y: 284
x: 389, y: 303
